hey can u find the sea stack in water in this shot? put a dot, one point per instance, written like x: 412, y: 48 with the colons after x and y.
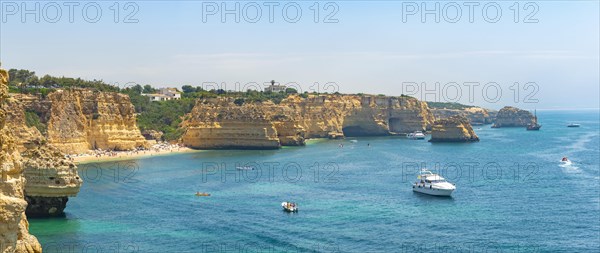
x: 453, y: 129
x: 513, y: 117
x: 14, y: 228
x: 51, y: 180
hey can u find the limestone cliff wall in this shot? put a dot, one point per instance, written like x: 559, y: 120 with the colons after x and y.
x: 453, y: 129
x: 475, y: 115
x: 25, y: 137
x: 14, y: 228
x: 220, y: 123
x: 81, y: 120
x: 50, y: 178
x: 513, y: 117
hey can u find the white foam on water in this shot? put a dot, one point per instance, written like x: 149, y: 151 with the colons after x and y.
x: 568, y: 167
x: 580, y: 143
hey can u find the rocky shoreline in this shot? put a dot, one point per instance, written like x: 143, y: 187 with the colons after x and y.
x: 219, y: 123
x: 453, y: 129
x: 513, y: 117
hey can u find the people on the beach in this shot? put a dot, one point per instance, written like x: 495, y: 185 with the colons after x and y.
x: 157, y: 148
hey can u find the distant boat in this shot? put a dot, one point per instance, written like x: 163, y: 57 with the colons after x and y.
x: 290, y: 207
x: 573, y: 125
x: 202, y: 194
x: 534, y: 126
x: 245, y: 168
x: 416, y: 135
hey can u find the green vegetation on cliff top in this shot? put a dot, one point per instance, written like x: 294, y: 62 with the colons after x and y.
x: 163, y: 116
x: 448, y: 105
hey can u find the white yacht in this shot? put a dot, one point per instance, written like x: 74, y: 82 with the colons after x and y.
x: 432, y: 184
x: 416, y: 135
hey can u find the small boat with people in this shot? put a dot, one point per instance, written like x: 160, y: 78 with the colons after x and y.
x: 573, y: 125
x: 432, y: 184
x: 290, y: 207
x: 202, y: 194
x: 416, y: 135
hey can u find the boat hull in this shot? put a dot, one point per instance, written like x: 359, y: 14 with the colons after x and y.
x: 288, y: 208
x: 433, y: 191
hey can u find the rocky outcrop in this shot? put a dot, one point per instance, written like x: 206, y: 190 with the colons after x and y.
x: 475, y: 115
x: 14, y: 228
x: 453, y: 129
x: 152, y: 135
x: 50, y: 178
x: 223, y: 123
x: 25, y: 136
x: 81, y: 120
x: 513, y: 117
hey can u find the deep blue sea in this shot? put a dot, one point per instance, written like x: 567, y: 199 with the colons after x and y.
x: 513, y: 195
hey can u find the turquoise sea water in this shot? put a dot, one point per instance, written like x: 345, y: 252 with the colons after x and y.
x: 512, y: 195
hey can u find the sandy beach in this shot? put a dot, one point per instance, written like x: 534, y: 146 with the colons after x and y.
x: 127, y: 155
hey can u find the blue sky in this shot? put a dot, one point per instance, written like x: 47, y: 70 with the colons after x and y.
x: 369, y: 50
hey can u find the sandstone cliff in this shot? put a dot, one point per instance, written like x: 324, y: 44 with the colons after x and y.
x: 14, y: 234
x: 26, y: 137
x: 81, y: 120
x: 453, y: 129
x: 475, y: 115
x: 50, y: 178
x: 221, y: 123
x: 513, y: 117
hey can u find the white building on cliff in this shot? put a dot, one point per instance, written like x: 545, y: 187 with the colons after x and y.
x: 164, y: 94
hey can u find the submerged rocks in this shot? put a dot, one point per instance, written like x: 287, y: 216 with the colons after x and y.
x: 513, y: 117
x: 453, y: 129
x: 45, y: 206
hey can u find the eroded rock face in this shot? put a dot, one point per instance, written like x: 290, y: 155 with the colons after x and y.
x: 475, y: 115
x: 152, y: 135
x: 453, y: 129
x: 50, y: 178
x: 81, y: 120
x: 513, y: 117
x: 14, y: 228
x: 26, y: 137
x: 220, y: 123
